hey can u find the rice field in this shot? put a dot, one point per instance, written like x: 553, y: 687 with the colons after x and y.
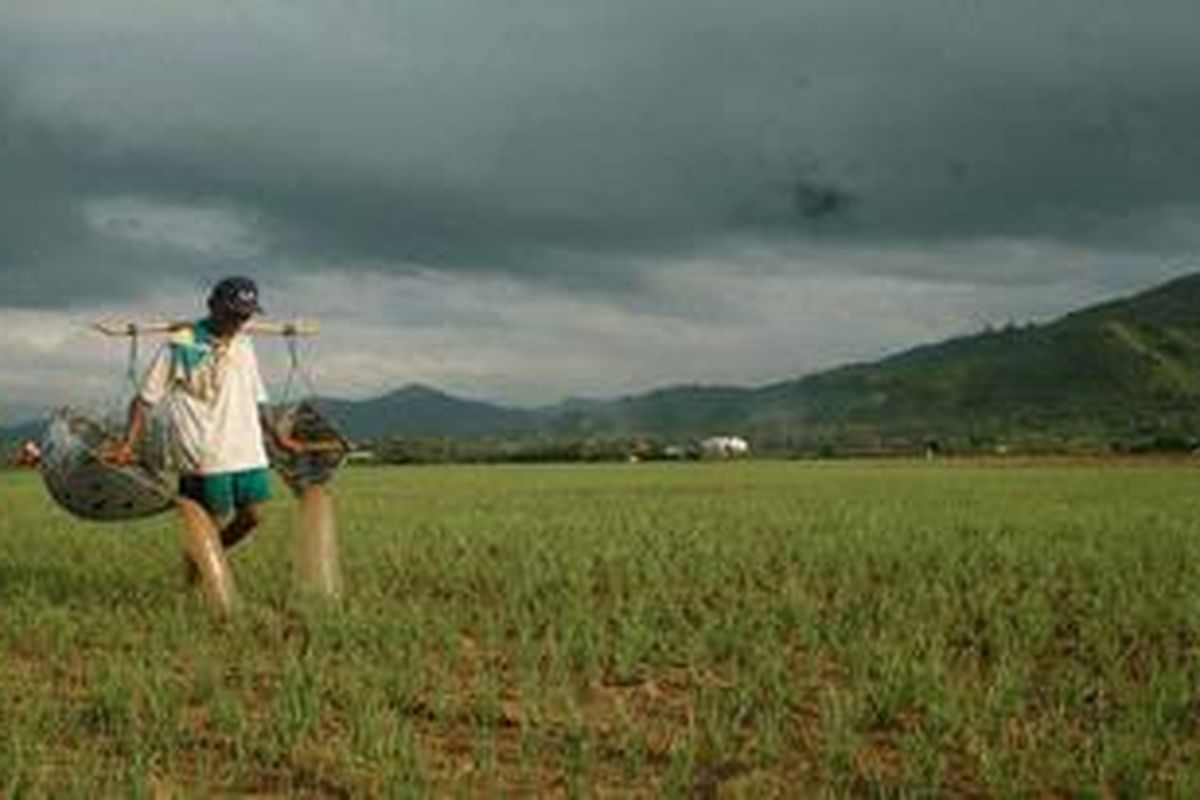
x: 753, y: 629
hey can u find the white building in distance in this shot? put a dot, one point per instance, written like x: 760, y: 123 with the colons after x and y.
x: 724, y: 446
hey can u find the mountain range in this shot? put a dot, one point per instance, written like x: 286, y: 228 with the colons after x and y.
x: 1123, y: 372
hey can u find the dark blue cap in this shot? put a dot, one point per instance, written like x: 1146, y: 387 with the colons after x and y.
x: 235, y: 295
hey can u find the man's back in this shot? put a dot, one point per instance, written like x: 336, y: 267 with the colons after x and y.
x: 211, y: 389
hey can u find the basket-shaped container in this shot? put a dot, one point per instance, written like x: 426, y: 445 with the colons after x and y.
x: 88, y: 487
x: 314, y: 467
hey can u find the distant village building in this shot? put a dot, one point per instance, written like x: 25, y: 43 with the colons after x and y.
x: 724, y: 447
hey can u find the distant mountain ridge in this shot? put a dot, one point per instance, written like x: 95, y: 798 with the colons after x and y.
x: 1123, y: 370
x: 419, y: 410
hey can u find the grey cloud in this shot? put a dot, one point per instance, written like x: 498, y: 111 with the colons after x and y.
x: 50, y: 255
x: 579, y: 142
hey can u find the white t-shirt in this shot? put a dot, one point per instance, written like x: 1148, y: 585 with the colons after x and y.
x: 211, y: 390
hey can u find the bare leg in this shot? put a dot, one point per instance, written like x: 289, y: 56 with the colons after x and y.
x: 316, y: 565
x: 239, y: 526
x: 202, y: 543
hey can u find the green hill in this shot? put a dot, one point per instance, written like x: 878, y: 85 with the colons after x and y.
x: 1125, y: 372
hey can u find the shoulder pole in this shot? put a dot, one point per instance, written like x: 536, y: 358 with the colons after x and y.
x: 133, y: 328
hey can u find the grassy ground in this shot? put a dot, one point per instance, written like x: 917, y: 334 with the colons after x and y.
x: 712, y: 630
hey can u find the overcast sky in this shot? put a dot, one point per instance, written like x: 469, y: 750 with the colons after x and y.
x: 525, y: 200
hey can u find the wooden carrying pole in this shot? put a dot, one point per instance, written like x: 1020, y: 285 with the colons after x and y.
x: 298, y: 327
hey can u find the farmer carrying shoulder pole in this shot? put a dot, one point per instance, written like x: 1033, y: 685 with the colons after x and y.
x: 207, y: 377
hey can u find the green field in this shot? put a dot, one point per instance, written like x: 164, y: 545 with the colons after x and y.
x: 712, y: 630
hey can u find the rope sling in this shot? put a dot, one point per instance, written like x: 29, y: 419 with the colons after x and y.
x: 301, y: 420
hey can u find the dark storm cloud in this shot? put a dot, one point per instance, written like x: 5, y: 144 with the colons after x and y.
x: 49, y: 253
x: 581, y: 142
x: 38, y: 218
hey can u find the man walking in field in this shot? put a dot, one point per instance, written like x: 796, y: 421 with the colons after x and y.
x: 208, y: 381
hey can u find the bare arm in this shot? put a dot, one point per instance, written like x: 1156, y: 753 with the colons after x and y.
x: 122, y: 451
x: 290, y: 444
x: 284, y: 442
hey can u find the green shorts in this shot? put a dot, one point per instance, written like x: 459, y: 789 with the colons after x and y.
x: 221, y: 493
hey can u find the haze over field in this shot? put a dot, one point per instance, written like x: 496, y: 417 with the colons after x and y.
x: 565, y: 198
